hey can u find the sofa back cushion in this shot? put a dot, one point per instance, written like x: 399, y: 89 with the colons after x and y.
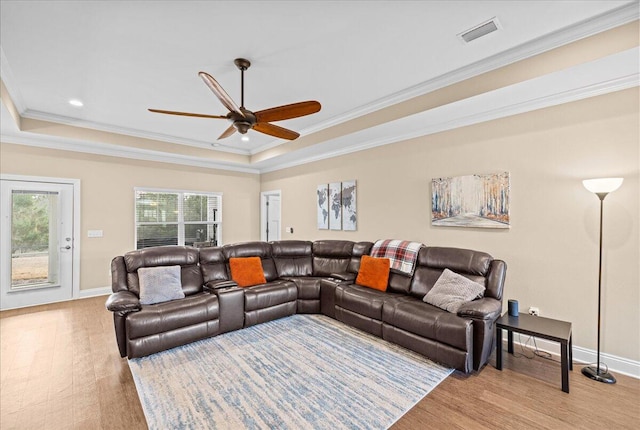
x: 253, y: 249
x: 331, y: 256
x: 359, y: 249
x: 172, y: 255
x: 399, y: 282
x: 292, y: 257
x: 213, y: 264
x: 432, y: 261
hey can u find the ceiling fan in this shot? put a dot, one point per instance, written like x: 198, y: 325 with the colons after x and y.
x: 242, y: 119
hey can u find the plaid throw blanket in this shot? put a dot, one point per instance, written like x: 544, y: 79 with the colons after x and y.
x: 402, y: 253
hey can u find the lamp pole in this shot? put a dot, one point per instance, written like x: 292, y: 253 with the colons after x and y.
x: 601, y: 188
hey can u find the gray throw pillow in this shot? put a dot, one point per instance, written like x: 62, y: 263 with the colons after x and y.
x: 452, y: 291
x: 160, y: 284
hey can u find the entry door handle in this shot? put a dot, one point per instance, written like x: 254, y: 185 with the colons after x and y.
x: 65, y: 247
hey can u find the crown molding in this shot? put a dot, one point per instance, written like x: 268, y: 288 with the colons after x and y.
x: 65, y: 144
x: 10, y: 82
x: 370, y: 138
x: 581, y: 30
x: 60, y: 119
x: 624, y: 78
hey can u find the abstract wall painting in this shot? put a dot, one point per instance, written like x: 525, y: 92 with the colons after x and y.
x: 323, y: 206
x: 480, y: 201
x: 349, y: 208
x: 335, y: 206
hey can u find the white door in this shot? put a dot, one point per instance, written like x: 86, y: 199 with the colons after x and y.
x: 36, y: 239
x: 270, y: 219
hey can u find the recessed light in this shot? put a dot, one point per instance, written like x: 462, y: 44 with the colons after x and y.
x: 76, y: 103
x: 244, y: 138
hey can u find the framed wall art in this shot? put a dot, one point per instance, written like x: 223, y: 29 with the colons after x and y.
x: 471, y: 201
x: 335, y: 206
x: 323, y: 206
x: 349, y: 206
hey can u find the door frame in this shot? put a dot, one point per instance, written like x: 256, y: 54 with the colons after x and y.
x: 75, y: 287
x: 263, y: 212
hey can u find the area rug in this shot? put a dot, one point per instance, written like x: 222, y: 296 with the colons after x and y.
x: 299, y: 372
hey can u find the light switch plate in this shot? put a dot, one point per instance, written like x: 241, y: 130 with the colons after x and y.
x: 94, y: 233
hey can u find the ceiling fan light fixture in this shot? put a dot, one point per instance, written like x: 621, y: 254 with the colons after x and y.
x: 242, y: 126
x: 245, y: 138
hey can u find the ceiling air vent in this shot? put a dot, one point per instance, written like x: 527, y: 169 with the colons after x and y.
x: 480, y: 30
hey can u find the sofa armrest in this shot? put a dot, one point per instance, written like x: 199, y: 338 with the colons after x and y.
x: 123, y: 301
x: 118, y: 275
x: 486, y: 308
x: 231, y: 301
x: 344, y: 276
x: 212, y: 286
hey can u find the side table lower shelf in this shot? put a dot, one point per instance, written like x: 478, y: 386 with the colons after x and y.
x: 545, y: 328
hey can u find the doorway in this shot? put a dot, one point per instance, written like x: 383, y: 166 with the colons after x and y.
x: 37, y: 230
x: 270, y: 216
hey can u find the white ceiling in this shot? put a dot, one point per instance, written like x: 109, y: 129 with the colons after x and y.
x: 121, y: 58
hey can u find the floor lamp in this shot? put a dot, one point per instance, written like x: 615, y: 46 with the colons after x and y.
x: 600, y: 187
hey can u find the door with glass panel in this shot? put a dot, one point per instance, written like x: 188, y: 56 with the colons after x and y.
x: 36, y: 238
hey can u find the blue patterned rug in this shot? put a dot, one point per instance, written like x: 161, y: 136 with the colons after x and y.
x: 299, y: 372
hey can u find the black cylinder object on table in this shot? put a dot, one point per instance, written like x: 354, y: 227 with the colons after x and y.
x: 513, y: 308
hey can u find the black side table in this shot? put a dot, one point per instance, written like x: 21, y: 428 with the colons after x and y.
x: 545, y: 328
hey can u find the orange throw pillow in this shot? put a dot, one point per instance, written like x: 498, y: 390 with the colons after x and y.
x: 247, y: 271
x: 374, y: 272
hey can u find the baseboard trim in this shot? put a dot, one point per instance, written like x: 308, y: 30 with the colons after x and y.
x: 584, y: 355
x: 94, y: 292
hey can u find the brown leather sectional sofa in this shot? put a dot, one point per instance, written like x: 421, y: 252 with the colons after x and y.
x: 308, y: 277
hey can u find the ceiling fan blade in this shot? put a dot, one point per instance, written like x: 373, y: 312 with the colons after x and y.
x: 199, y: 115
x: 276, y: 131
x: 220, y: 93
x: 294, y: 110
x: 228, y: 132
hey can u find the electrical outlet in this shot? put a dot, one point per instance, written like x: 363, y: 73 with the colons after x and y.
x: 534, y: 311
x: 95, y: 233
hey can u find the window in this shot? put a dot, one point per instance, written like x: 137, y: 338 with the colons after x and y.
x: 177, y: 218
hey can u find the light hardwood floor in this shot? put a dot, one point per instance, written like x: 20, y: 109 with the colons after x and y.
x: 60, y: 368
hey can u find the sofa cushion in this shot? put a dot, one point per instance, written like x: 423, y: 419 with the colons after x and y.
x: 167, y: 316
x: 159, y: 284
x: 253, y: 249
x: 308, y: 287
x: 433, y: 260
x: 362, y: 300
x: 452, y: 291
x: 359, y: 249
x: 270, y: 294
x: 172, y: 255
x: 247, y: 271
x: 374, y: 273
x: 422, y: 319
x: 213, y: 264
x: 331, y: 256
x: 292, y: 258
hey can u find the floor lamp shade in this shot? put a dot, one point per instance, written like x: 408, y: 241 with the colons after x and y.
x: 600, y: 187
